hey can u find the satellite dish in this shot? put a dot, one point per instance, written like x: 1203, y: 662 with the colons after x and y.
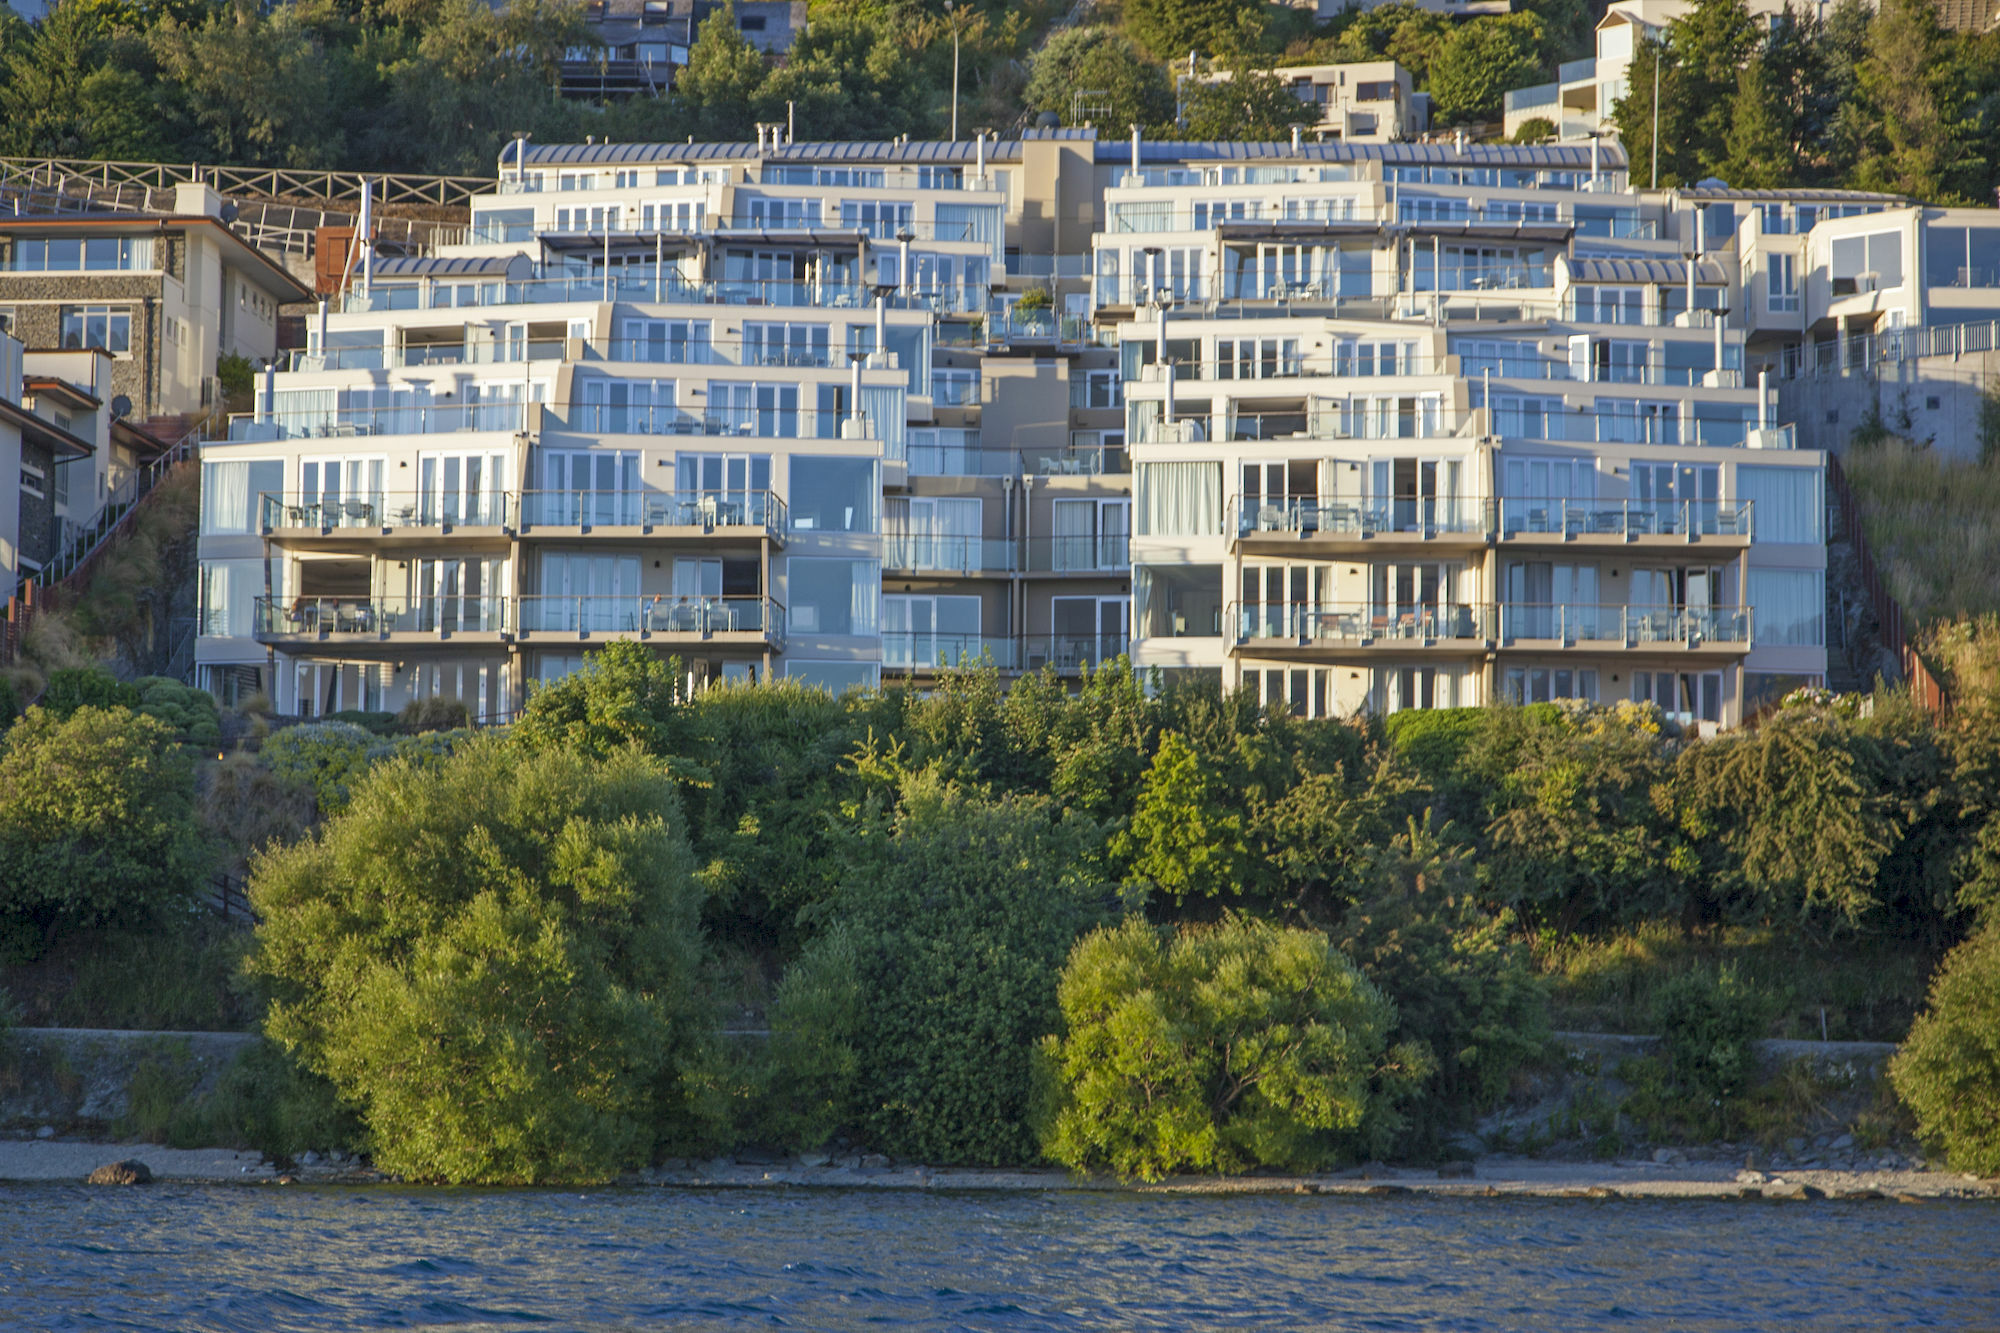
x: 229, y: 210
x: 121, y: 407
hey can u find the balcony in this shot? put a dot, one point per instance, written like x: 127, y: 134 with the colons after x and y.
x: 1304, y: 632
x: 698, y: 513
x: 745, y: 622
x: 383, y: 514
x: 1532, y: 521
x: 1307, y: 522
x: 1104, y: 554
x: 940, y: 553
x: 923, y: 652
x: 356, y: 621
x: 416, y: 419
x: 1717, y: 631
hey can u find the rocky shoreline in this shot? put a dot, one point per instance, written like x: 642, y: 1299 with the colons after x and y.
x: 1670, y: 1175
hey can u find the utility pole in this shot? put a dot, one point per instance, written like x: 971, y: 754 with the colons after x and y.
x: 950, y: 10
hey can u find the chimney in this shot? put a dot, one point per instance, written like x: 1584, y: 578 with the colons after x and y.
x: 192, y: 199
x: 1295, y: 138
x: 1135, y: 150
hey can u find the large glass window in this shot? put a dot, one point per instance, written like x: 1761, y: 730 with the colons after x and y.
x: 1177, y: 601
x: 1789, y: 607
x: 82, y: 253
x: 826, y: 596
x: 105, y: 326
x: 230, y: 493
x: 1867, y: 263
x: 834, y: 495
x: 1787, y: 504
x: 229, y: 593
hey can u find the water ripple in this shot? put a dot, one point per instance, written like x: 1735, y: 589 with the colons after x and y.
x: 272, y: 1261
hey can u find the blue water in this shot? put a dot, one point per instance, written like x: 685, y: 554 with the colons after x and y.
x: 273, y: 1258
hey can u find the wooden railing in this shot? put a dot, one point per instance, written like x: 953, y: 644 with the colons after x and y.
x: 1897, y: 631
x: 334, y: 187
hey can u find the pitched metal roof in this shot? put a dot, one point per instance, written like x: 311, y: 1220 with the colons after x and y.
x: 486, y: 266
x: 1610, y: 156
x: 1724, y: 194
x: 1662, y: 272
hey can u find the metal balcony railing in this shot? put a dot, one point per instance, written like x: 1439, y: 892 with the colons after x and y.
x: 1363, y: 623
x: 1624, y: 518
x: 942, y: 553
x: 1625, y: 625
x: 373, y: 617
x: 689, y: 615
x: 715, y: 510
x: 1088, y: 553
x: 382, y: 510
x: 427, y: 419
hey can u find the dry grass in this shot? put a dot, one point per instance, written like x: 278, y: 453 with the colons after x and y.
x: 1934, y: 526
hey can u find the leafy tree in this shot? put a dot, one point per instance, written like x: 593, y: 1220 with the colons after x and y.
x: 1482, y: 60
x: 1404, y: 33
x: 1759, y: 146
x: 1948, y: 1070
x: 914, y: 1020
x: 519, y: 923
x: 96, y: 823
x: 1467, y: 1000
x: 1170, y: 29
x: 1213, y: 1049
x: 625, y: 695
x: 329, y: 757
x: 718, y: 86
x: 1187, y: 836
x: 42, y: 106
x: 1106, y: 64
x: 1252, y: 105
x: 851, y: 78
x: 1926, y: 146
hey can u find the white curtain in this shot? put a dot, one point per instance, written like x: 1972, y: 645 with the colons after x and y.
x: 866, y: 600
x: 886, y: 411
x: 1075, y: 535
x: 1180, y: 499
x: 1787, y: 504
x: 225, y: 494
x: 1788, y: 606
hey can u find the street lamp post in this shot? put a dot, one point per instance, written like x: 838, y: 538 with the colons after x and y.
x: 952, y: 11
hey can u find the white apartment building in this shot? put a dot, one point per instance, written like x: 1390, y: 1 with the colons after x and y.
x: 726, y: 400
x: 1422, y: 427
x: 1373, y: 101
x: 1410, y: 426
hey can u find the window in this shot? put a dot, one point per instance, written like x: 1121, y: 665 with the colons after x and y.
x: 1789, y: 607
x: 768, y: 410
x: 1178, y: 601
x: 572, y: 180
x: 105, y: 326
x: 1782, y: 282
x: 62, y: 481
x: 1787, y: 504
x: 834, y: 677
x: 735, y: 477
x: 1866, y: 263
x: 596, y: 487
x: 1091, y: 534
x: 834, y: 494
x: 231, y: 492
x: 34, y: 481
x: 1103, y: 388
x: 1685, y: 696
x: 1540, y: 685
x: 922, y: 631
x: 768, y: 344
x: 6, y: 319
x: 229, y: 593
x: 83, y: 254
x: 752, y: 23
x: 833, y: 596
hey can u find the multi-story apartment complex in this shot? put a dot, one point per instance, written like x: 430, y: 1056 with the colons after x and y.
x: 1410, y: 425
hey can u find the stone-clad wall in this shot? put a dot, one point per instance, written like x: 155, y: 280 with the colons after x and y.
x: 38, y: 517
x: 40, y: 325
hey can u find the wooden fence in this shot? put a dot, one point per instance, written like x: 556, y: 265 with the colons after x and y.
x: 262, y: 182
x: 1897, y: 631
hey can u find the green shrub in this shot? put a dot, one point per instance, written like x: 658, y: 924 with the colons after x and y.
x: 494, y: 957
x: 190, y: 712
x: 1215, y: 1049
x: 71, y: 688
x: 433, y: 714
x: 915, y: 1022
x: 10, y: 703
x: 97, y: 823
x: 623, y: 695
x: 377, y: 723
x: 331, y: 757
x: 1948, y: 1071
x: 1709, y: 1024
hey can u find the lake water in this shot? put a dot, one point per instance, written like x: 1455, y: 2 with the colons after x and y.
x: 269, y: 1259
